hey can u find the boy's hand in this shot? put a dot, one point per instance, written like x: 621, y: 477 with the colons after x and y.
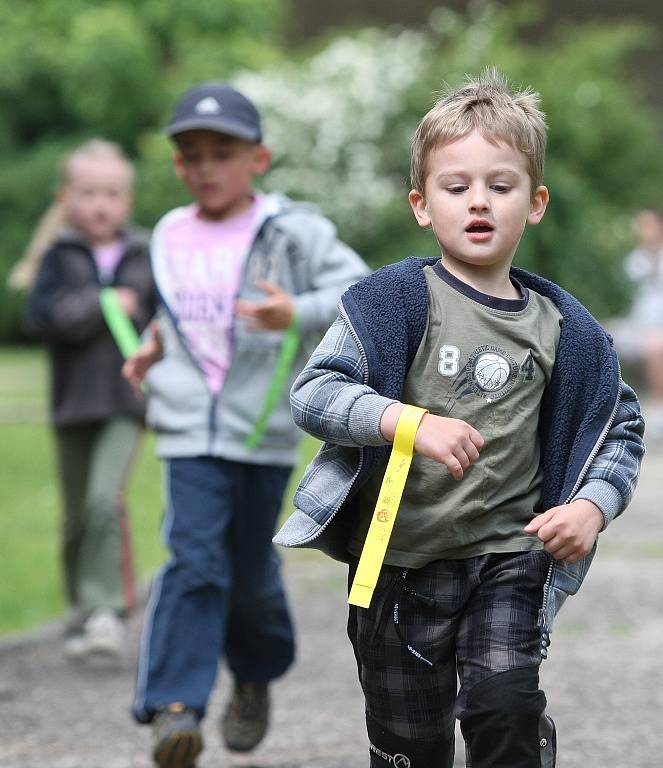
x: 569, y: 531
x: 272, y: 314
x: 451, y: 442
x: 127, y: 299
x: 136, y: 367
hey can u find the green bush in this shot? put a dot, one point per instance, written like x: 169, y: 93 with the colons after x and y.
x: 341, y: 124
x: 339, y: 120
x: 73, y: 69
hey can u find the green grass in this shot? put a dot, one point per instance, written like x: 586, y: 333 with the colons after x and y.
x: 30, y: 583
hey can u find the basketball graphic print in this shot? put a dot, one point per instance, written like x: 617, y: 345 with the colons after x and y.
x: 491, y: 371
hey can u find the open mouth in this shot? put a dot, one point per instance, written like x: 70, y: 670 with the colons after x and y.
x: 479, y: 232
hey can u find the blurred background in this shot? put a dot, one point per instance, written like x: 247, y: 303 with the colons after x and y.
x: 341, y: 86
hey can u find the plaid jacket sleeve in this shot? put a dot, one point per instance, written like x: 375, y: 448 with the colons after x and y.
x: 330, y: 399
x: 613, y: 474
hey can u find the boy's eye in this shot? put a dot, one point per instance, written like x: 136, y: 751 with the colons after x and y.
x: 500, y: 188
x: 457, y: 189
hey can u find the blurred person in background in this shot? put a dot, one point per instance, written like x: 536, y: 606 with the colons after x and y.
x: 638, y: 336
x: 243, y: 277
x: 97, y: 417
x: 644, y: 265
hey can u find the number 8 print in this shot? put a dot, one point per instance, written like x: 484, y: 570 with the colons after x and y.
x: 449, y: 359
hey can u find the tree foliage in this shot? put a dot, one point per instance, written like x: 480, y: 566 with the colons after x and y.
x: 339, y: 119
x: 72, y: 69
x: 342, y: 122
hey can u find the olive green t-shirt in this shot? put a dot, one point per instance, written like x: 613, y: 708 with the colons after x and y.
x: 487, y: 361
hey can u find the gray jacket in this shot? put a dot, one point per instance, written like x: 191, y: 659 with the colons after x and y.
x: 296, y: 248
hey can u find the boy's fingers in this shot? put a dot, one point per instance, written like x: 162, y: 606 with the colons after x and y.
x: 245, y: 308
x: 562, y: 550
x: 565, y: 553
x: 547, y: 532
x: 463, y: 458
x: 535, y: 525
x: 455, y: 468
x: 472, y: 453
x: 266, y: 307
x: 270, y: 288
x: 476, y: 438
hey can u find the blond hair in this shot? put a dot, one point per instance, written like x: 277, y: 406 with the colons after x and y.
x: 24, y: 272
x: 94, y: 149
x: 49, y: 226
x: 490, y: 105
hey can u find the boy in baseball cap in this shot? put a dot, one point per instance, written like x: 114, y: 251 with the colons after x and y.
x: 247, y: 282
x: 217, y: 107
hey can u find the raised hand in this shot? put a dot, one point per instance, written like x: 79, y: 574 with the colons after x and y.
x: 128, y: 300
x: 451, y: 442
x: 272, y: 314
x: 136, y: 367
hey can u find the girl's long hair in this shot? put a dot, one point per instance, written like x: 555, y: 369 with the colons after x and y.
x: 24, y: 272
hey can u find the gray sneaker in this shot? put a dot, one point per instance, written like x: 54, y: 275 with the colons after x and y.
x: 245, y: 722
x: 177, y: 737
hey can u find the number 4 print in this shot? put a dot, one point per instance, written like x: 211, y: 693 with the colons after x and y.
x: 527, y: 366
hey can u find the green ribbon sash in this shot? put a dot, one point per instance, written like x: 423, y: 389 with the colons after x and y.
x: 284, y: 363
x: 119, y: 324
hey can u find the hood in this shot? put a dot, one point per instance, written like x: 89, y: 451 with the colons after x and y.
x: 134, y: 237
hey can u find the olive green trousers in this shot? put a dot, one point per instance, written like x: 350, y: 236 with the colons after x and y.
x: 94, y: 462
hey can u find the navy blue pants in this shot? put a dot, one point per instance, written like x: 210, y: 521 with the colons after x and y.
x: 221, y: 593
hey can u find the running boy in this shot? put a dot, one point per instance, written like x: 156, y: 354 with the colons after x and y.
x: 240, y: 275
x: 530, y: 447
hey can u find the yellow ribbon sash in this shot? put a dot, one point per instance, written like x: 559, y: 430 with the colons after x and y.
x: 386, y: 508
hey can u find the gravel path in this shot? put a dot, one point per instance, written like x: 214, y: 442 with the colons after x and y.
x: 603, y: 678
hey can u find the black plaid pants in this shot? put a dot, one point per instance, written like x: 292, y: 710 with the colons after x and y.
x: 476, y: 620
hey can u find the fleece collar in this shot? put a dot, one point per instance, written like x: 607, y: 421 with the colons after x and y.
x: 389, y: 311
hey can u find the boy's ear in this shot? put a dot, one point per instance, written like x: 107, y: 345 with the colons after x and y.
x: 61, y: 194
x: 178, y: 165
x: 262, y: 159
x: 419, y: 208
x: 538, y: 205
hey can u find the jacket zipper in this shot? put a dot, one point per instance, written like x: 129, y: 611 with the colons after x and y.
x: 353, y: 333
x: 211, y: 419
x: 574, y: 490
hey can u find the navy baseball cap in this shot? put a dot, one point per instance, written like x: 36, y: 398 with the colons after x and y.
x: 216, y: 106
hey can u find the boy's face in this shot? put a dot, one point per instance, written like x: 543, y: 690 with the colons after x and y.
x: 219, y: 170
x: 97, y: 197
x: 648, y: 230
x: 477, y: 200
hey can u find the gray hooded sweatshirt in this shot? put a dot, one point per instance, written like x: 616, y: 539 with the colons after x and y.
x: 296, y: 248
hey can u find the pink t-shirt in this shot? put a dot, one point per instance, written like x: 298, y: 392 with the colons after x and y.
x: 199, y: 272
x: 107, y: 257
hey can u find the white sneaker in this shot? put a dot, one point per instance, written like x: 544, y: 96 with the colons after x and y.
x: 103, y: 633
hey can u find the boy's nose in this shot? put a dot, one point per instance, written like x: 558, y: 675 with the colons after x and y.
x: 478, y: 200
